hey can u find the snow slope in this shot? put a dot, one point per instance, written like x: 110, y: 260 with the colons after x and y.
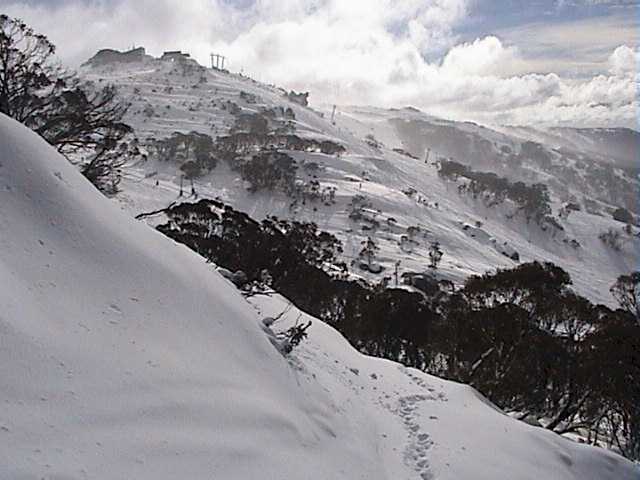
x: 176, y: 98
x: 124, y: 355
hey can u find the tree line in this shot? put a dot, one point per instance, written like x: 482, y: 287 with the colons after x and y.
x: 522, y: 336
x: 532, y: 200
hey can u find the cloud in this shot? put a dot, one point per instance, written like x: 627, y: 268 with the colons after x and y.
x: 624, y: 61
x: 573, y: 47
x: 79, y: 28
x: 380, y: 52
x: 485, y: 56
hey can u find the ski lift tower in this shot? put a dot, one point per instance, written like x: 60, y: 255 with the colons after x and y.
x: 426, y: 158
x: 217, y: 61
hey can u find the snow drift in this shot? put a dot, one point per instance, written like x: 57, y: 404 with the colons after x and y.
x: 123, y: 355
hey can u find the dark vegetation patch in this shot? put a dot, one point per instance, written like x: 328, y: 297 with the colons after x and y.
x: 270, y: 170
x: 532, y: 200
x: 243, y: 143
x: 522, y: 337
x: 194, y: 152
x: 255, y: 149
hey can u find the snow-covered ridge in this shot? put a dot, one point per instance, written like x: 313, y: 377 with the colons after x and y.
x: 182, y: 96
x: 124, y: 355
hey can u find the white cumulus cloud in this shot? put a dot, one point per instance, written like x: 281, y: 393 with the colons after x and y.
x: 379, y: 52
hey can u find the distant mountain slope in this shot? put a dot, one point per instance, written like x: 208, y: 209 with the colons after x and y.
x: 124, y: 355
x: 382, y: 187
x: 620, y: 146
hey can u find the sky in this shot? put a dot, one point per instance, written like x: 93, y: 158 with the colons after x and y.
x: 536, y: 62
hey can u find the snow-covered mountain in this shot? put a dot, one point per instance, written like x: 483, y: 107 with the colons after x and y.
x: 125, y: 355
x: 385, y: 185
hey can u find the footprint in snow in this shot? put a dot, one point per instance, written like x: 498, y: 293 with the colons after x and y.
x: 423, y: 384
x: 415, y: 454
x: 114, y: 308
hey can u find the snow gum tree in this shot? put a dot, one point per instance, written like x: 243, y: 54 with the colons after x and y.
x: 84, y: 123
x: 369, y: 251
x: 435, y: 255
x: 626, y: 291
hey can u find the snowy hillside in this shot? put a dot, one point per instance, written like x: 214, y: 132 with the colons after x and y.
x: 124, y: 355
x: 381, y: 187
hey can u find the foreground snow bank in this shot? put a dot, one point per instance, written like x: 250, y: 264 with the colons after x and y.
x: 449, y: 431
x: 122, y: 355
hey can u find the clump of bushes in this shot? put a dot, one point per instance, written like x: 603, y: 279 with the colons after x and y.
x: 194, y: 152
x: 270, y: 170
x: 612, y: 239
x: 532, y: 200
x: 623, y: 215
x: 241, y: 143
